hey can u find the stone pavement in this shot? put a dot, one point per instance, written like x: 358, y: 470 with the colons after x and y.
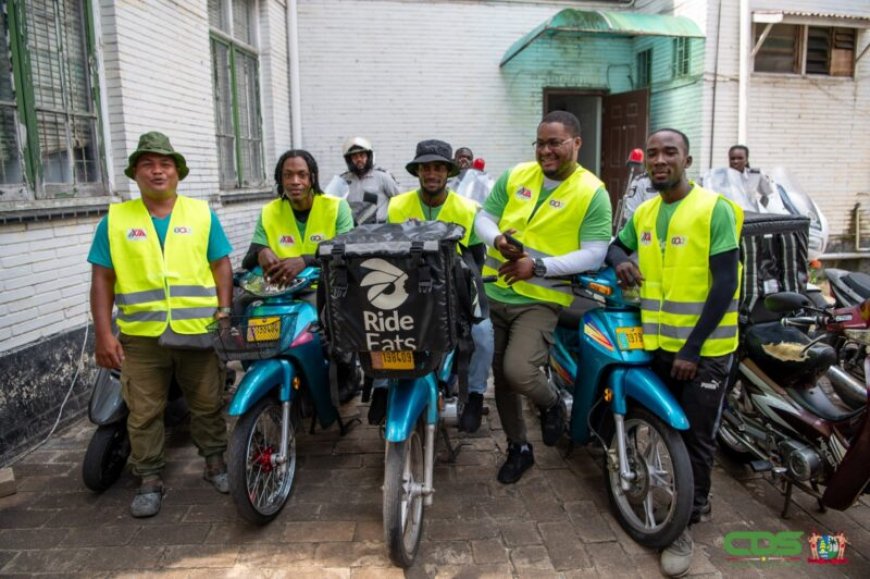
x: 554, y: 523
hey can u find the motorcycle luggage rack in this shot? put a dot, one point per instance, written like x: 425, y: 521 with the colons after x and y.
x: 250, y: 338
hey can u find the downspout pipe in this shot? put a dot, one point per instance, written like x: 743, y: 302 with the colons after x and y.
x: 293, y: 63
x: 743, y: 76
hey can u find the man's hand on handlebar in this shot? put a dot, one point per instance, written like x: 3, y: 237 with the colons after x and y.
x: 628, y: 274
x: 284, y: 271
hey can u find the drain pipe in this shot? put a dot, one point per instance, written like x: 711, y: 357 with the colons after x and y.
x: 743, y: 76
x: 293, y: 63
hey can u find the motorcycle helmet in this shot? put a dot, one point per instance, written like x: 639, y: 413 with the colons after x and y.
x: 357, y: 145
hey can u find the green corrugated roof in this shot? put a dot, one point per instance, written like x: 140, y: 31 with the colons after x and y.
x: 597, y: 22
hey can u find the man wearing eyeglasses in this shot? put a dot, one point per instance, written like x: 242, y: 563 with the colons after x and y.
x: 543, y: 219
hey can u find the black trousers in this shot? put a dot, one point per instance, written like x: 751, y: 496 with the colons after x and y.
x: 701, y: 399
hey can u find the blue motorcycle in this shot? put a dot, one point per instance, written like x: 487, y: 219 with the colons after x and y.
x: 601, y: 370
x: 413, y: 419
x: 278, y: 341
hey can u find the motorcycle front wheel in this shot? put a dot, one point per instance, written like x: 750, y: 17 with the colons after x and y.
x: 106, y: 456
x: 403, y: 498
x: 658, y: 504
x: 259, y: 486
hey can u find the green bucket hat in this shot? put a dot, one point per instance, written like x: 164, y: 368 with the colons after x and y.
x: 159, y: 144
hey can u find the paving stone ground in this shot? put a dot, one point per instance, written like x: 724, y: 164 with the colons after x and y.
x: 554, y: 523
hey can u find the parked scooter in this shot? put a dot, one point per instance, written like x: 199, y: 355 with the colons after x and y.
x: 602, y: 372
x: 109, y: 447
x: 286, y: 368
x: 777, y: 414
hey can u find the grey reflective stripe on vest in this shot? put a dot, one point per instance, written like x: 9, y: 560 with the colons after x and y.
x: 143, y: 297
x: 192, y: 313
x: 143, y: 316
x: 192, y: 291
x: 680, y: 333
x: 651, y: 329
x: 560, y: 285
x: 681, y: 308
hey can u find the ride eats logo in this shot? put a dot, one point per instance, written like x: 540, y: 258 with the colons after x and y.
x: 386, y: 291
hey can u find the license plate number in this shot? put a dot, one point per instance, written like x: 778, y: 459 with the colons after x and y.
x: 403, y: 360
x: 264, y: 329
x: 630, y: 338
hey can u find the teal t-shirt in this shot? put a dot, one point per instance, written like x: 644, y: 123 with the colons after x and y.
x: 595, y: 227
x: 100, y: 254
x: 343, y: 224
x: 723, y: 227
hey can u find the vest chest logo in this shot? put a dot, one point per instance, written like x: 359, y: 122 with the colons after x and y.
x: 316, y: 238
x: 136, y: 234
x: 286, y: 240
x: 556, y: 204
x: 679, y: 240
x: 523, y: 194
x: 646, y: 238
x: 182, y: 230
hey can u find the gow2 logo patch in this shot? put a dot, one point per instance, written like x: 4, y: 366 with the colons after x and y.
x: 182, y: 230
x: 679, y: 240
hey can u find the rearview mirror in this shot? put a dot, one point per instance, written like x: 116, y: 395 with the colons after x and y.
x: 785, y: 302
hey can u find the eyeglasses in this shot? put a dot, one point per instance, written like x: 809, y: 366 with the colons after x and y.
x: 551, y: 144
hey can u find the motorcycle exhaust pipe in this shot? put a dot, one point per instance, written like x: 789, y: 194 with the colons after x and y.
x: 850, y: 390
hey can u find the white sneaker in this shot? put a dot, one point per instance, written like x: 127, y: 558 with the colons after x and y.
x: 677, y: 557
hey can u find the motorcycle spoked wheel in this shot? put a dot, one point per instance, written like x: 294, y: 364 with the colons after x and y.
x: 657, y: 507
x: 404, y: 471
x: 106, y: 456
x: 259, y: 488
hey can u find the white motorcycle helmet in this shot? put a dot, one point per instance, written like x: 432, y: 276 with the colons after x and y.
x: 357, y: 145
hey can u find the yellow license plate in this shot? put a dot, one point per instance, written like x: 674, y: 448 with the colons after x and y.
x: 630, y: 338
x: 393, y: 360
x: 264, y: 329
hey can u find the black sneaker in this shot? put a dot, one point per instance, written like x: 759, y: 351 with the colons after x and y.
x: 378, y: 406
x: 469, y: 420
x: 553, y: 423
x: 520, y: 458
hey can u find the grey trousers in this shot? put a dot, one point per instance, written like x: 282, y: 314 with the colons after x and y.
x: 523, y: 336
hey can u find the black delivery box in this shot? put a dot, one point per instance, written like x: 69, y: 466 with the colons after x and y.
x: 391, y: 295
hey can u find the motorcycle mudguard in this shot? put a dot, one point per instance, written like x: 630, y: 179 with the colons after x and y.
x: 407, y: 399
x: 644, y: 386
x: 852, y: 476
x: 260, y: 379
x: 107, y: 405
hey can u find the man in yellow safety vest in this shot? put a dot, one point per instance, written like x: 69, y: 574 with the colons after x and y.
x: 163, y: 261
x: 688, y: 270
x: 546, y: 218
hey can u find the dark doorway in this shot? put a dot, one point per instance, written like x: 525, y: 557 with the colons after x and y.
x: 623, y: 128
x: 585, y: 106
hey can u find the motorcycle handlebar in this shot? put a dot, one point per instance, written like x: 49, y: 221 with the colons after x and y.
x: 803, y: 321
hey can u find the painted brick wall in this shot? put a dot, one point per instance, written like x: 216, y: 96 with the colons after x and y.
x: 399, y: 72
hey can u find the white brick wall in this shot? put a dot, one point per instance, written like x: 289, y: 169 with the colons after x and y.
x: 158, y: 77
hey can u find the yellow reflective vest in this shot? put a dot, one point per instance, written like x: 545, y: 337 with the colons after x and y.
x: 551, y: 231
x: 677, y: 276
x: 455, y: 209
x: 157, y: 288
x: 279, y: 222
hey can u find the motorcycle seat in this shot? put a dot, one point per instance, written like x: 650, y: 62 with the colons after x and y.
x: 817, y: 402
x: 572, y: 317
x: 859, y: 283
x: 785, y: 353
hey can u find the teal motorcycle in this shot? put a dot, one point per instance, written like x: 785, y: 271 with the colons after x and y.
x: 287, y: 376
x: 599, y: 367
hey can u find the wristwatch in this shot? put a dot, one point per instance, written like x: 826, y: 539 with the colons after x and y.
x: 222, y: 312
x: 540, y: 269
